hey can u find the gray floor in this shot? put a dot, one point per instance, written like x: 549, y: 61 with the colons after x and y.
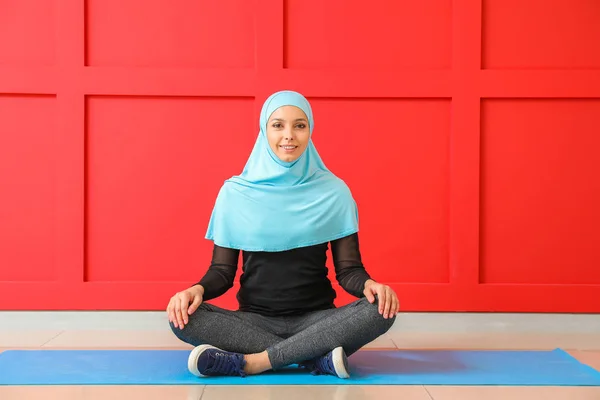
x: 406, y: 322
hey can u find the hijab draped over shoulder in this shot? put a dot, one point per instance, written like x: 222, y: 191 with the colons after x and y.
x: 275, y: 205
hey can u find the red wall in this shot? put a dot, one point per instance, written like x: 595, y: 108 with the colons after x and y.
x: 468, y: 131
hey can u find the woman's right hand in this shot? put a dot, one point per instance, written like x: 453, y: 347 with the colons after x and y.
x: 184, y: 304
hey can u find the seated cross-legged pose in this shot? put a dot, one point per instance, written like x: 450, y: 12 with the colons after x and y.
x: 282, y: 213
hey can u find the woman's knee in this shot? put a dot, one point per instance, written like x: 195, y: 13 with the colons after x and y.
x: 180, y: 331
x: 176, y: 331
x: 193, y: 320
x: 372, y: 315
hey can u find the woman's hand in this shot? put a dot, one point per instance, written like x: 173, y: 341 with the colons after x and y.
x: 387, y: 299
x: 179, y: 306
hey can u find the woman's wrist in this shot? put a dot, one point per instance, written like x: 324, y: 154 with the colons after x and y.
x: 200, y: 288
x: 369, y: 282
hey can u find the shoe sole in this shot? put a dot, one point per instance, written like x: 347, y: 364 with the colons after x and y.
x: 193, y: 359
x: 340, y: 362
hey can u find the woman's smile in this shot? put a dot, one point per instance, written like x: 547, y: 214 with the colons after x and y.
x: 288, y: 149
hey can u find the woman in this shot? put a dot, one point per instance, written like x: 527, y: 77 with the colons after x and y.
x: 282, y: 212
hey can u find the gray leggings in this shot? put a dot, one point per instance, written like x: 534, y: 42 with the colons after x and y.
x: 287, y: 340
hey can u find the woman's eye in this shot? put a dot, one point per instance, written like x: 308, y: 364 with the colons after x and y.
x: 300, y: 126
x: 277, y: 125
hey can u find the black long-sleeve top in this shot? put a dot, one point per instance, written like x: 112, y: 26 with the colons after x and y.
x: 288, y: 282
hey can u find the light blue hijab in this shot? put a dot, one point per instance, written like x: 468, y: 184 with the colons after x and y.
x: 275, y: 205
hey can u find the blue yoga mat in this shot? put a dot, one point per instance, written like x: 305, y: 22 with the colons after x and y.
x: 412, y: 367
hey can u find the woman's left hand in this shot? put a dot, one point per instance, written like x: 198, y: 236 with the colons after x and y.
x: 387, y: 299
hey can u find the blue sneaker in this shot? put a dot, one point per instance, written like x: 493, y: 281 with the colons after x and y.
x: 333, y: 363
x: 206, y: 360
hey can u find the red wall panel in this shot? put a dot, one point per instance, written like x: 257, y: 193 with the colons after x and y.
x: 154, y: 167
x: 375, y: 144
x: 142, y: 33
x: 27, y: 158
x: 467, y: 130
x: 540, y: 190
x: 541, y: 34
x: 27, y: 31
x: 339, y: 34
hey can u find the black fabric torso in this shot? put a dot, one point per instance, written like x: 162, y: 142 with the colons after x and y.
x: 285, y: 283
x: 288, y: 282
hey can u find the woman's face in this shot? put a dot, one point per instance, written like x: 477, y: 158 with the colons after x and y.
x: 288, y: 133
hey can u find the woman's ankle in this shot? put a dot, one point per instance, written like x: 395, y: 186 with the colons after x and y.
x: 257, y: 363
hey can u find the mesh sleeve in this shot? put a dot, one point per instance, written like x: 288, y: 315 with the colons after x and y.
x: 221, y: 273
x: 349, y: 269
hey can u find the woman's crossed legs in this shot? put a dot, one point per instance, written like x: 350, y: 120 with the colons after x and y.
x: 275, y: 342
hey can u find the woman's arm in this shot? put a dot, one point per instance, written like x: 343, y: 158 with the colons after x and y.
x: 353, y: 277
x: 349, y: 269
x: 217, y: 280
x: 221, y: 273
